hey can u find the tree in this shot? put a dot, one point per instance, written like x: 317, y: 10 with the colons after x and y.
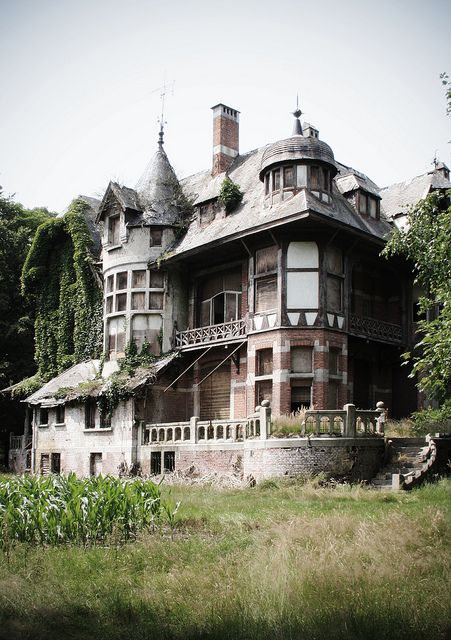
x: 426, y: 242
x: 17, y: 229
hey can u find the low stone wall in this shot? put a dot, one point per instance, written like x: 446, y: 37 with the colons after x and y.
x: 351, y: 458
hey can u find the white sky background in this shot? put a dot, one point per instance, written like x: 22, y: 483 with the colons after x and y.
x: 79, y: 97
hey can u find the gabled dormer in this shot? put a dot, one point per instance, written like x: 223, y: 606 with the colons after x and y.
x: 360, y: 192
x: 118, y: 207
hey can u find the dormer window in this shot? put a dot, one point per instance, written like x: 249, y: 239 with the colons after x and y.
x: 113, y: 230
x: 368, y: 205
x: 320, y: 182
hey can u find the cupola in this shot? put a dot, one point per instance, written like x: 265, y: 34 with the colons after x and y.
x: 301, y: 161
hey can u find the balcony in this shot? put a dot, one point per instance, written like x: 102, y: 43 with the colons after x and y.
x: 19, y: 443
x: 375, y: 329
x: 233, y: 331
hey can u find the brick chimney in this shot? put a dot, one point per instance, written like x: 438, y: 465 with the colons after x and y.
x: 226, y: 125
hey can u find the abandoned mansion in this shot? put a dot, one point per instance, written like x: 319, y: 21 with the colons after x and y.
x: 258, y: 287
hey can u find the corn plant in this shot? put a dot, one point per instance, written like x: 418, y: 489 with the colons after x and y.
x: 64, y: 509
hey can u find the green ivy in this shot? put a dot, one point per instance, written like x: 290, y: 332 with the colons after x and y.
x: 58, y: 275
x: 230, y: 195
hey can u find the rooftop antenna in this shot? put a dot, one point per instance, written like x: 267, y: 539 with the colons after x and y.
x: 297, y: 127
x: 435, y: 160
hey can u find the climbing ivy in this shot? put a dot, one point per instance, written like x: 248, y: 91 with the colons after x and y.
x: 58, y: 275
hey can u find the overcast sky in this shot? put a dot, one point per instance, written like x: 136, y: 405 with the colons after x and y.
x: 80, y: 85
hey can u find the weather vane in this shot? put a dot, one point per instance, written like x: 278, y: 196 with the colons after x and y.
x: 163, y: 91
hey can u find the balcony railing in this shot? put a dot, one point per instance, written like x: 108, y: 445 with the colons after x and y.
x: 213, y: 333
x: 19, y: 443
x: 375, y: 329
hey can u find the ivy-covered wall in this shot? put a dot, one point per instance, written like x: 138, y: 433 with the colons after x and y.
x: 59, y: 275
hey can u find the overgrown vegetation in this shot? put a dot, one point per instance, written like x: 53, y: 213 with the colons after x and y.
x: 59, y: 276
x: 426, y: 242
x: 230, y: 195
x: 286, y: 559
x: 63, y: 509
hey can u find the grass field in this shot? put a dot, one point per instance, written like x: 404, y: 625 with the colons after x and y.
x: 283, y: 560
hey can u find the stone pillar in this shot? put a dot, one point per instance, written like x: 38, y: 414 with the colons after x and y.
x: 381, y: 419
x: 350, y: 420
x: 265, y: 419
x: 193, y: 428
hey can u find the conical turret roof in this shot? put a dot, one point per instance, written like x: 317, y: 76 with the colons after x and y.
x: 159, y: 190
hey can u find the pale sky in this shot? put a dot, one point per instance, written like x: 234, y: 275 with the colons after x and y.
x: 80, y: 85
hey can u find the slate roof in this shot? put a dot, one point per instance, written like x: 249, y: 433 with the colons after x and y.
x: 398, y: 198
x: 350, y: 180
x: 88, y: 371
x: 252, y: 213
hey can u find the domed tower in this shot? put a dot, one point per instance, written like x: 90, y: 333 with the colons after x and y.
x: 138, y: 226
x: 301, y: 161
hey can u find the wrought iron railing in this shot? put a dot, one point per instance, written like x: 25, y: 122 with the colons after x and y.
x: 376, y: 329
x: 211, y: 333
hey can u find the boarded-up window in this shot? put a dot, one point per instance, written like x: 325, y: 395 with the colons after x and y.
x: 264, y: 362
x: 146, y: 327
x: 288, y: 177
x: 266, y: 260
x: 138, y: 300
x: 155, y: 301
x: 266, y: 294
x: 215, y: 392
x: 301, y: 396
x: 335, y: 260
x: 121, y: 302
x: 139, y: 279
x: 45, y: 464
x: 301, y: 359
x: 334, y: 294
x: 333, y: 362
x: 113, y: 230
x: 156, y: 279
x: 116, y: 335
x: 121, y: 280
x: 263, y: 391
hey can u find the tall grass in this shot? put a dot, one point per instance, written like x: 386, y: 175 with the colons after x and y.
x: 284, y: 560
x: 65, y: 509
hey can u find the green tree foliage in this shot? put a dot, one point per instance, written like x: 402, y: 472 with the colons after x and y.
x: 230, y: 195
x: 17, y: 229
x: 59, y: 276
x: 426, y: 242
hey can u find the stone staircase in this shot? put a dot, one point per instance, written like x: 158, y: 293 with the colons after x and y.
x: 405, y: 463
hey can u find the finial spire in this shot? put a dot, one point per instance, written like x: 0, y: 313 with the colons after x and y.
x: 161, y: 121
x: 297, y: 127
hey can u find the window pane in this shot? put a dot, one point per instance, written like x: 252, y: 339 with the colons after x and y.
x: 121, y: 280
x: 266, y: 260
x: 138, y: 279
x: 288, y: 177
x: 121, y: 302
x: 155, y: 301
x: 301, y: 397
x: 276, y: 180
x: 267, y: 183
x: 362, y: 203
x: 266, y: 294
x: 325, y: 179
x: 264, y: 362
x: 333, y: 362
x: 146, y: 327
x: 314, y: 178
x: 156, y: 279
x: 109, y: 284
x: 301, y: 359
x: 113, y: 230
x: 373, y: 207
x: 156, y: 237
x: 232, y: 281
x: 334, y: 297
x: 332, y: 395
x: 334, y: 260
x: 263, y: 390
x: 138, y: 300
x: 60, y: 414
x: 205, y: 308
x: 109, y: 304
x: 232, y: 306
